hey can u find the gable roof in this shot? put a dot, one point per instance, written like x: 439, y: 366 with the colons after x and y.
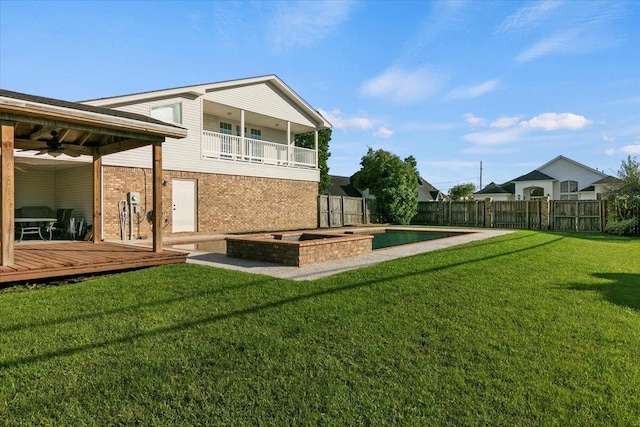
x: 341, y: 186
x: 534, y: 175
x: 201, y: 89
x: 574, y: 162
x: 492, y: 188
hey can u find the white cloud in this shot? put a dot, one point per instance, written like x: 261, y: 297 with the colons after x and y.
x: 339, y: 121
x: 304, y: 23
x: 555, y: 121
x: 383, y: 132
x: 529, y: 17
x: 609, y: 151
x: 474, y: 91
x: 494, y: 137
x: 402, y: 86
x: 631, y: 149
x: 505, y: 122
x: 473, y: 120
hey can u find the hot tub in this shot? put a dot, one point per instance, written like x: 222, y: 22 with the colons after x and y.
x: 298, y: 248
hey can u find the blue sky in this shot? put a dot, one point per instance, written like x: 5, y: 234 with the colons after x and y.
x: 511, y: 84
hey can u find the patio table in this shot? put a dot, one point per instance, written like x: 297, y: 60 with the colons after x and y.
x: 26, y: 226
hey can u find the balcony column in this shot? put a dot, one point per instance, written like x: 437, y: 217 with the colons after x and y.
x: 289, y: 150
x: 315, y: 146
x: 242, y: 141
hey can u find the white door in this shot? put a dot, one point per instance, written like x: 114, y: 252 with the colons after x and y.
x: 184, y: 205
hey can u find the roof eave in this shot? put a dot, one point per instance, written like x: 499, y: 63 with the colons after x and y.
x: 32, y: 108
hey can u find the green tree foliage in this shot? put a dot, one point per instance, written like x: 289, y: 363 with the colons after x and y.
x: 393, y: 182
x: 624, y: 214
x: 462, y: 191
x: 306, y: 140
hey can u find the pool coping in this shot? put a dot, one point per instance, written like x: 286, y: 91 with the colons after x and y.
x: 324, y: 269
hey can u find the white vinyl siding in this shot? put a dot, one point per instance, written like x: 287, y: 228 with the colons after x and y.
x: 185, y: 154
x: 261, y: 98
x: 74, y: 190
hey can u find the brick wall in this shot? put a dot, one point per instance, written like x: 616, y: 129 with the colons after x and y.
x: 226, y: 203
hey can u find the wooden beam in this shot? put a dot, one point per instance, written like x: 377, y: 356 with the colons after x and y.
x: 83, y: 139
x: 7, y: 193
x: 125, y: 145
x: 157, y: 198
x: 97, y: 199
x: 44, y: 131
x: 25, y: 144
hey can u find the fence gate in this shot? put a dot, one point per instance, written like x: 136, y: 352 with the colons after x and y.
x: 578, y: 215
x: 516, y: 214
x: 323, y: 211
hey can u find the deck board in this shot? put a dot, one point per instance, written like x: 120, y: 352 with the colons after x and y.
x: 50, y: 260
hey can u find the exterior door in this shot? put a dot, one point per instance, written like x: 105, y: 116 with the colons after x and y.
x: 184, y: 205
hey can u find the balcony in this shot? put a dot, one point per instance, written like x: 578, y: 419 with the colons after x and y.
x: 217, y: 145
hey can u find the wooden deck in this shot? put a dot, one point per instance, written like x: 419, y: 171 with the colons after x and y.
x: 33, y: 261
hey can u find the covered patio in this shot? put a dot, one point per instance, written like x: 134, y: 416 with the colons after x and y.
x: 57, y: 128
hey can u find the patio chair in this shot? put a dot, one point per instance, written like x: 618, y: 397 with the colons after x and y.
x: 62, y: 227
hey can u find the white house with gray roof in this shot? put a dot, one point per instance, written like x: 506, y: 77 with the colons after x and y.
x: 559, y: 179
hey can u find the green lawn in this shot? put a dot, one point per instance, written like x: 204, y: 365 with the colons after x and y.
x: 525, y: 329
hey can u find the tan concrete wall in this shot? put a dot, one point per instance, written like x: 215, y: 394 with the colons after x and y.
x: 226, y: 203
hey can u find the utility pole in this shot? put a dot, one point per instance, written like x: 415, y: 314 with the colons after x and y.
x: 480, y: 175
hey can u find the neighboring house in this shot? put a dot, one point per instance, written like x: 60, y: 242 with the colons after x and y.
x: 559, y: 179
x: 342, y: 186
x: 237, y: 170
x: 429, y: 193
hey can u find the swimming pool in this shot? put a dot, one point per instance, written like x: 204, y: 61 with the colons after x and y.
x: 389, y: 237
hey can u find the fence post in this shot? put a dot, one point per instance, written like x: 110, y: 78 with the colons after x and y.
x: 488, y: 212
x: 545, y: 213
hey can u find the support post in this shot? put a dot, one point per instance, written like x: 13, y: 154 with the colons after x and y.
x: 242, y: 136
x: 157, y: 197
x: 97, y: 197
x: 7, y: 188
x: 315, y: 147
x: 289, y: 150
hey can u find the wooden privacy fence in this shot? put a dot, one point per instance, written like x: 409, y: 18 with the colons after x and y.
x: 339, y: 211
x: 539, y: 214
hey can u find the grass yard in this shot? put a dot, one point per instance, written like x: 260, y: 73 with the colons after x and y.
x: 530, y: 328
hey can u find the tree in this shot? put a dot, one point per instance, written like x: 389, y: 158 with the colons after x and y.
x: 306, y: 140
x: 393, y: 182
x: 624, y: 214
x: 462, y: 191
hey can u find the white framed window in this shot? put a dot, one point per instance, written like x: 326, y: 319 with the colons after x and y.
x: 171, y: 113
x: 256, y: 134
x: 225, y: 128
x: 569, y: 190
x: 536, y: 192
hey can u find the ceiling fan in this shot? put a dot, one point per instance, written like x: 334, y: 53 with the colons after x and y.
x: 54, y: 147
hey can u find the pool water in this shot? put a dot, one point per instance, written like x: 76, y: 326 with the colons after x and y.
x: 390, y: 238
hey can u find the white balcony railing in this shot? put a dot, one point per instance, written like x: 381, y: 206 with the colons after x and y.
x: 217, y: 145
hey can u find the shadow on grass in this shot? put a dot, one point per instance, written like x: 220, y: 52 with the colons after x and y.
x: 597, y: 237
x: 623, y: 289
x: 34, y: 358
x: 133, y: 307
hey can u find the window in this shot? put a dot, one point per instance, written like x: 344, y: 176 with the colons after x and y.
x: 238, y: 130
x: 537, y: 192
x: 171, y: 113
x: 256, y: 134
x: 569, y: 190
x: 225, y: 128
